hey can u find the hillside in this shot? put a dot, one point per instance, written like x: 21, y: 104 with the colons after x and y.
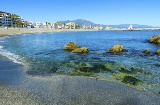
x: 82, y: 22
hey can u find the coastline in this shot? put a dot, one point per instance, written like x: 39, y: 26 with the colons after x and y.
x: 14, y: 31
x: 71, y: 90
x: 18, y: 88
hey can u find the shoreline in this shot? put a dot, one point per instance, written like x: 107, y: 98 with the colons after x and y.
x: 15, y: 31
x: 19, y: 87
x: 61, y: 89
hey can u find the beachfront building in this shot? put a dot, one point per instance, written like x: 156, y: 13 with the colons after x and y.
x: 5, y: 19
x: 98, y: 28
x: 10, y: 20
x: 71, y: 25
x: 87, y: 27
x: 59, y: 25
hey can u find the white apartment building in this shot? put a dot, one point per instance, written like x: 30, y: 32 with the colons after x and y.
x: 71, y: 25
x: 5, y: 19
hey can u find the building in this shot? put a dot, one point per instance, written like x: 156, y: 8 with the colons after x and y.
x: 5, y: 19
x: 10, y: 20
x: 71, y: 25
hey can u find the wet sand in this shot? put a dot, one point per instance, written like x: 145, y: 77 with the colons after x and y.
x: 19, y: 88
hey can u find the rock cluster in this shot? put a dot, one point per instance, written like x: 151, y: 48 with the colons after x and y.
x: 81, y: 50
x: 158, y: 52
x: 117, y: 48
x: 146, y: 51
x: 72, y: 46
x: 155, y: 39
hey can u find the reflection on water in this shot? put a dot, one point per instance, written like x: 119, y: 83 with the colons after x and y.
x: 45, y: 56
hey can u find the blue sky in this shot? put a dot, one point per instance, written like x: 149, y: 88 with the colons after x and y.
x: 108, y: 12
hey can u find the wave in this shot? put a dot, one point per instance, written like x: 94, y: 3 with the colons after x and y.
x: 11, y: 56
x: 1, y: 47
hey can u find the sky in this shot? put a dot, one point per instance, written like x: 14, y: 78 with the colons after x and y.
x: 108, y: 12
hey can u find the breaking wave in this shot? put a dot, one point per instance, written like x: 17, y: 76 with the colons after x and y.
x: 13, y: 57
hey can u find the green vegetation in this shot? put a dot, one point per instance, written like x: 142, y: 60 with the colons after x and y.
x: 78, y: 73
x: 120, y: 73
x: 53, y: 70
x: 17, y: 21
x: 131, y: 80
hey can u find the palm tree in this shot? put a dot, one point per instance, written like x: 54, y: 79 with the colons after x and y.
x: 16, y: 20
x: 19, y: 23
x: 9, y: 24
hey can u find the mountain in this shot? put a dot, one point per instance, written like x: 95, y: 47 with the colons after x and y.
x: 82, y: 22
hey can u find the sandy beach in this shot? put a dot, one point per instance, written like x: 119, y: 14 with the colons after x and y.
x: 19, y: 88
x: 13, y: 31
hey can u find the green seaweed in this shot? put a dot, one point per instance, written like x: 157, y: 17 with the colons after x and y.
x: 78, y: 73
x: 131, y: 80
x: 123, y: 70
x: 53, y: 70
x: 95, y: 68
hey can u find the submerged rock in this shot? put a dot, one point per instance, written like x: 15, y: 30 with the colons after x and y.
x: 81, y: 50
x: 53, y: 70
x: 131, y: 80
x: 146, y: 51
x: 158, y: 52
x: 123, y: 70
x: 155, y: 39
x: 70, y: 46
x: 85, y: 69
x: 117, y: 48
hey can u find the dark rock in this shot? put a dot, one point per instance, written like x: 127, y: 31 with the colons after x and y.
x: 125, y: 50
x: 85, y: 69
x: 123, y: 70
x: 96, y: 68
x: 53, y: 69
x: 101, y: 67
x: 146, y: 51
x: 131, y: 80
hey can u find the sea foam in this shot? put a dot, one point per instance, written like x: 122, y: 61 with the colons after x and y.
x: 13, y: 57
x: 1, y: 47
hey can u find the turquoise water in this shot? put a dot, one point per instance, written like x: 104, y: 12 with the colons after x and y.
x: 43, y: 53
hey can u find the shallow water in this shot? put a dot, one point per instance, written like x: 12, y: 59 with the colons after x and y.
x: 45, y: 56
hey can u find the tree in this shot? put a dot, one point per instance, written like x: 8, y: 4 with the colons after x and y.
x: 18, y: 23
x: 77, y: 26
x: 9, y: 24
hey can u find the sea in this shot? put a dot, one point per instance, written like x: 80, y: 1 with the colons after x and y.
x: 43, y: 55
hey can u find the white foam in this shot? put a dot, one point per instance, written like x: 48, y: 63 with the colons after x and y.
x: 13, y: 57
x: 1, y: 41
x: 1, y: 47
